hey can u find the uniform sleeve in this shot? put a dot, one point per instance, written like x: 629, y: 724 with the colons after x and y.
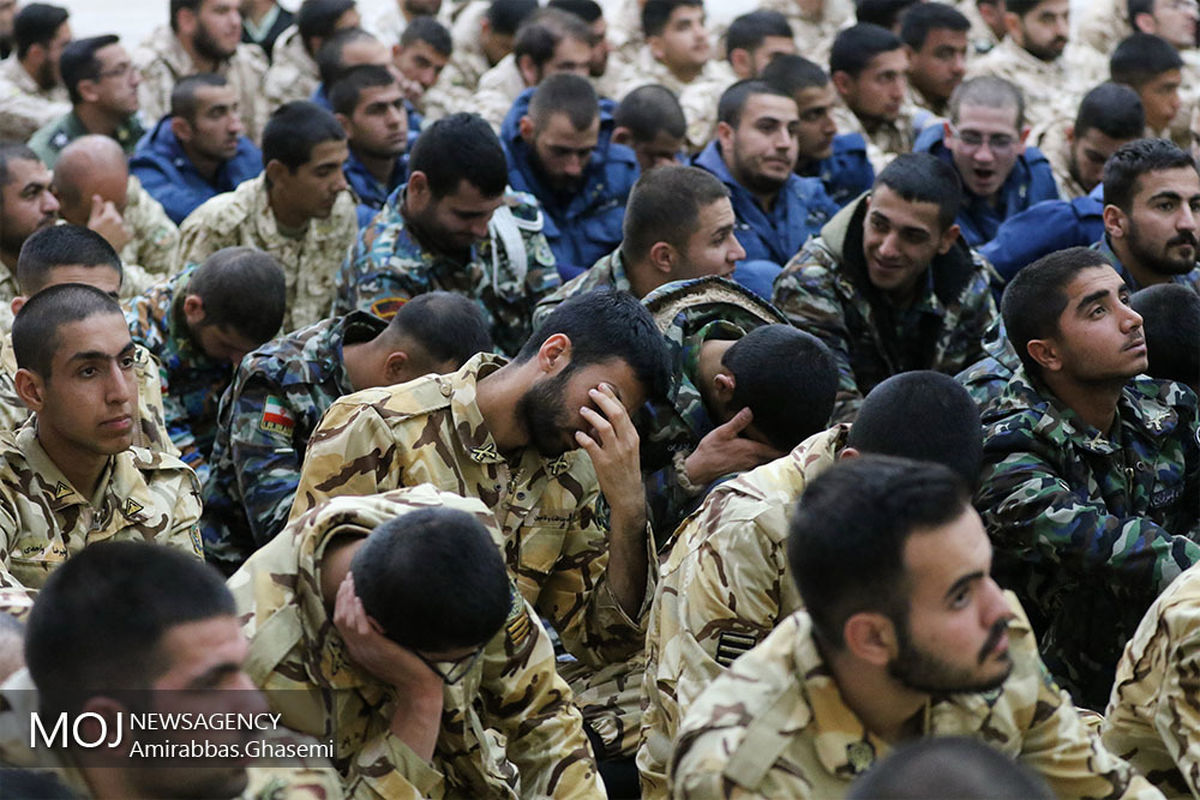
x: 804, y: 293
x: 197, y: 241
x: 385, y: 768
x: 1029, y: 509
x: 15, y: 599
x: 265, y: 460
x: 346, y: 456
x: 183, y: 529
x: 21, y: 115
x: 531, y: 705
x: 1070, y: 756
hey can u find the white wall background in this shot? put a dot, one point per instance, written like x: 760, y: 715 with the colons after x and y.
x: 135, y: 19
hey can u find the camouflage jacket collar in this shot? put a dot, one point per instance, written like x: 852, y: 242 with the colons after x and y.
x: 614, y: 264
x: 1141, y: 406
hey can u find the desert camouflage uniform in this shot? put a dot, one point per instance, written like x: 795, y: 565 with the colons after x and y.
x: 497, y: 90
x: 44, y: 520
x: 455, y: 87
x: 814, y: 37
x: 310, y: 779
x: 608, y: 271
x: 192, y: 383
x: 8, y: 293
x: 386, y: 267
x: 1049, y: 87
x: 552, y: 515
x: 1089, y: 527
x: 689, y: 313
x: 1102, y: 24
x: 151, y: 431
x: 162, y: 61
x: 890, y: 139
x: 244, y: 217
x: 821, y: 292
x: 698, y: 99
x: 625, y: 37
x: 1052, y: 141
x: 776, y: 726
x: 1152, y: 713
x: 299, y: 658
x: 389, y: 24
x: 980, y: 38
x: 293, y: 72
x: 725, y: 585
x: 155, y: 239
x: 278, y: 395
x: 24, y: 106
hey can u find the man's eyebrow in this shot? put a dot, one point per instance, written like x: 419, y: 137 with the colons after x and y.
x: 1099, y: 294
x: 962, y: 583
x: 1165, y: 194
x: 210, y: 675
x: 99, y: 355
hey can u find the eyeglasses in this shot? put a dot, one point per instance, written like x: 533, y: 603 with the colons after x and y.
x: 451, y: 672
x: 996, y: 142
x: 116, y: 72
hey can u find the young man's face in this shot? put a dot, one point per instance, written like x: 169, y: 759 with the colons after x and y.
x: 560, y: 151
x: 549, y: 409
x: 1100, y: 338
x: 758, y: 58
x: 1089, y: 153
x: 1045, y: 30
x: 954, y: 640
x: 316, y: 184
x: 712, y: 248
x: 683, y: 43
x: 985, y: 144
x: 1175, y: 21
x: 219, y: 27
x: 1161, y: 230
x: 450, y: 224
x: 1160, y: 98
x: 571, y: 56
x: 878, y: 91
x: 49, y: 75
x: 379, y: 125
x: 421, y: 63
x: 116, y: 87
x: 29, y: 205
x: 214, y: 131
x: 89, y: 399
x: 938, y: 67
x: 900, y: 240
x: 761, y: 151
x: 816, y: 129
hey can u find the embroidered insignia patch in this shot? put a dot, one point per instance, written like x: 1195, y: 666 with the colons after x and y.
x: 860, y: 756
x: 132, y: 507
x: 386, y: 307
x: 487, y: 452
x: 61, y: 490
x: 518, y: 626
x: 276, y: 417
x: 731, y: 645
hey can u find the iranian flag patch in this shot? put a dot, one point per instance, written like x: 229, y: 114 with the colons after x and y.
x: 276, y: 418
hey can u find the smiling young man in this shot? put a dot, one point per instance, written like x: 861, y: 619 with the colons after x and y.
x: 984, y: 141
x: 1091, y: 471
x: 71, y: 478
x: 889, y: 284
x: 753, y: 155
x: 298, y: 210
x: 1152, y: 215
x: 904, y: 635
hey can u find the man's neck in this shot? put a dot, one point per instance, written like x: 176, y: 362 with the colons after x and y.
x: 685, y: 73
x: 1143, y: 275
x: 82, y: 470
x: 205, y: 165
x: 381, y: 168
x: 886, y: 708
x: 643, y: 277
x: 98, y: 120
x: 285, y: 217
x: 357, y: 359
x: 497, y: 396
x: 1094, y: 403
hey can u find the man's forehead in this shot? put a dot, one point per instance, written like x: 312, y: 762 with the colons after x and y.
x: 941, y: 37
x: 23, y: 171
x: 81, y: 335
x: 209, y: 96
x: 815, y: 96
x: 892, y: 60
x: 1089, y: 280
x: 380, y: 94
x: 366, y: 51
x: 716, y: 215
x: 987, y: 118
x: 688, y: 13
x: 769, y: 105
x: 1182, y: 181
x: 558, y: 124
x: 110, y: 54
x: 467, y: 198
x: 904, y: 213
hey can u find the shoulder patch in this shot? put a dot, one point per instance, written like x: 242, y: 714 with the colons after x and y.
x: 276, y: 418
x: 518, y: 626
x: 730, y: 646
x: 386, y: 307
x: 61, y: 490
x: 132, y: 508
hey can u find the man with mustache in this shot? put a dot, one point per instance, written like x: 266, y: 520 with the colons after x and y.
x: 904, y: 634
x: 26, y: 205
x: 1091, y: 478
x: 31, y: 88
x: 1035, y: 57
x: 1152, y: 215
x: 559, y: 145
x: 753, y: 155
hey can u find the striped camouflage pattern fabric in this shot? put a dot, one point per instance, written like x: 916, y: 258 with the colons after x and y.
x: 509, y: 728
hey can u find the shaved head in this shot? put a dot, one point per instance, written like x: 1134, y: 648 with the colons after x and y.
x: 90, y: 165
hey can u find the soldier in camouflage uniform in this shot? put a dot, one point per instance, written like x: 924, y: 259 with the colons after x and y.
x: 490, y: 248
x: 300, y: 213
x: 94, y: 262
x: 28, y: 206
x: 823, y: 698
x: 198, y: 325
x: 1151, y: 713
x: 814, y: 23
x: 509, y: 687
x: 886, y: 304
x: 1091, y: 483
x: 71, y: 478
x: 281, y: 390
x: 152, y: 622
x: 293, y: 72
x: 724, y: 581
x: 26, y: 101
x: 170, y: 54
x: 679, y: 224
